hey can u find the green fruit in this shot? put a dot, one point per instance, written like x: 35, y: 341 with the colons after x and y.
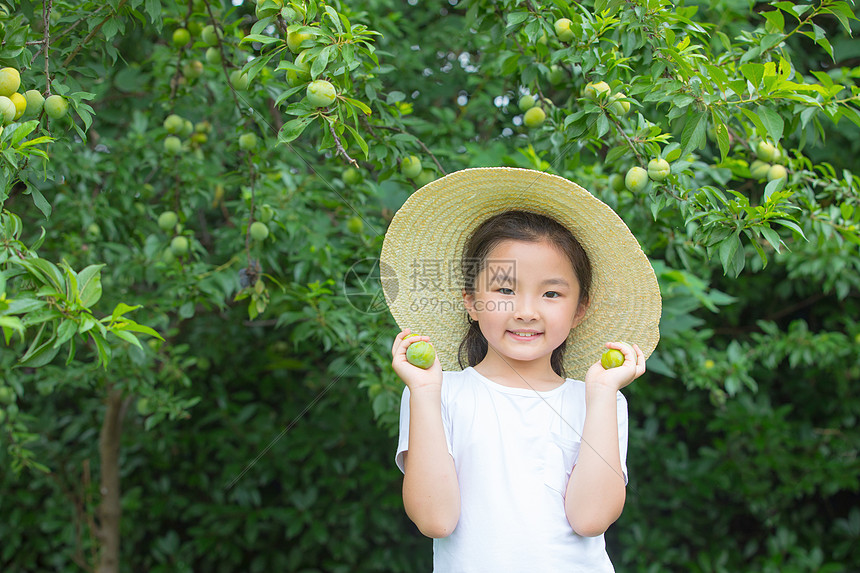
x: 266, y: 213
x: 7, y: 395
x: 213, y: 56
x: 20, y: 104
x: 321, y: 93
x: 167, y: 221
x: 247, y: 141
x: 209, y: 36
x: 259, y: 231
x: 777, y: 172
x: 421, y: 354
x: 616, y: 181
x: 266, y: 8
x: 410, y: 167
x: 355, y: 224
x: 295, y: 40
x: 767, y: 152
x: 181, y: 36
x: 172, y: 145
x: 193, y: 69
x: 617, y: 105
x: 93, y: 230
x: 296, y: 77
x: 595, y: 91
x: 179, y: 246
x: 526, y: 103
x: 239, y: 80
x: 173, y: 123
x: 556, y: 75
x: 351, y: 176
x: 187, y: 128
x: 658, y: 169
x: 142, y: 407
x: 35, y: 101
x: 759, y: 169
x: 612, y: 358
x: 562, y: 29
x: 10, y: 81
x: 636, y: 179
x: 7, y: 110
x: 534, y: 117
x: 427, y: 176
x: 56, y: 106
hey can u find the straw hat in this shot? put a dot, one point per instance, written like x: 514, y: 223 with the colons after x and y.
x: 421, y: 254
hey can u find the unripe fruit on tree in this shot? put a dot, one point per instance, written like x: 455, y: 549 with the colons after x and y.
x: 295, y: 40
x: 767, y: 152
x: 10, y: 81
x: 213, y: 56
x: 20, y: 104
x: 420, y: 354
x: 611, y: 358
x: 355, y: 224
x: 187, y: 128
x: 595, y: 91
x: 172, y: 145
x: 266, y: 213
x: 259, y: 231
x: 266, y: 8
x: 321, y: 93
x: 179, y: 246
x: 239, y: 80
x: 776, y: 172
x: 247, y: 141
x: 35, y: 101
x: 56, y: 106
x: 617, y: 105
x: 167, y: 221
x: 7, y: 395
x: 7, y: 110
x: 562, y: 29
x: 556, y: 75
x: 616, y: 181
x: 526, y: 103
x: 173, y: 123
x: 193, y: 69
x: 759, y: 169
x: 534, y: 117
x: 410, y: 167
x: 426, y: 176
x: 658, y: 169
x: 295, y: 77
x: 181, y: 36
x: 636, y: 179
x: 351, y: 176
x: 209, y: 36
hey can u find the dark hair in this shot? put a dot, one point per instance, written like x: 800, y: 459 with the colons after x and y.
x: 517, y: 226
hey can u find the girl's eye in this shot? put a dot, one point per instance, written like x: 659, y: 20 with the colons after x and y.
x: 505, y: 290
x: 553, y: 294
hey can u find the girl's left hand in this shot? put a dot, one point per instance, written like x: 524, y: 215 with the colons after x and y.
x: 620, y: 376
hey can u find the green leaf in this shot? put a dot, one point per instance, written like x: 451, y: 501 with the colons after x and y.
x: 693, y: 136
x: 772, y: 122
x: 128, y: 337
x: 293, y: 129
x: 90, y: 285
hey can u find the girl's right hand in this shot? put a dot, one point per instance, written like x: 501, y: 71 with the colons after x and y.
x: 414, y: 377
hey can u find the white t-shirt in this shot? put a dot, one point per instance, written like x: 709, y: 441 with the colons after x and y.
x: 513, y: 450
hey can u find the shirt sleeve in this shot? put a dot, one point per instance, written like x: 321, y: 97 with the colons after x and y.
x: 621, y: 404
x: 403, y: 440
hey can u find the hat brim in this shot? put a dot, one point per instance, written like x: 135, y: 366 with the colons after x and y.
x: 423, y: 247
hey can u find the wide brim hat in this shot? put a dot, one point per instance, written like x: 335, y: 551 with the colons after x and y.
x: 420, y: 264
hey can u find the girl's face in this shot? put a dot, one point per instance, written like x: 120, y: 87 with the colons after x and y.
x: 526, y: 301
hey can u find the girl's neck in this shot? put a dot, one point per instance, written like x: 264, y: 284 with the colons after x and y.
x: 540, y: 377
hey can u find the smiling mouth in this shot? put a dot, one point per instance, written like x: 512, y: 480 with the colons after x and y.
x: 524, y: 334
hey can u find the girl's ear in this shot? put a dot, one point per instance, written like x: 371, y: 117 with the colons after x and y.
x: 581, y: 309
x: 469, y: 303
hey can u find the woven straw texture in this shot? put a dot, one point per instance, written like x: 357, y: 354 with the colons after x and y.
x: 422, y: 250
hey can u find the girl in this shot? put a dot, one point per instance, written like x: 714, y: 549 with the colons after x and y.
x: 509, y: 465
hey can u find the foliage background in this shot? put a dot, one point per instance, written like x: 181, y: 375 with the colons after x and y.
x: 258, y: 435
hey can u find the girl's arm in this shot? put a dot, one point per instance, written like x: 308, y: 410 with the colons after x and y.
x: 431, y: 493
x: 596, y: 491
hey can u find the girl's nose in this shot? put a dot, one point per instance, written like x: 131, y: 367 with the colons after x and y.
x: 525, y: 310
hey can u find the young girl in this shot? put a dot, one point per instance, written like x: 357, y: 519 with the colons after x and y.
x: 509, y: 465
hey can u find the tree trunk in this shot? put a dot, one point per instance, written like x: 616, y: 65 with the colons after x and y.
x: 109, y: 509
